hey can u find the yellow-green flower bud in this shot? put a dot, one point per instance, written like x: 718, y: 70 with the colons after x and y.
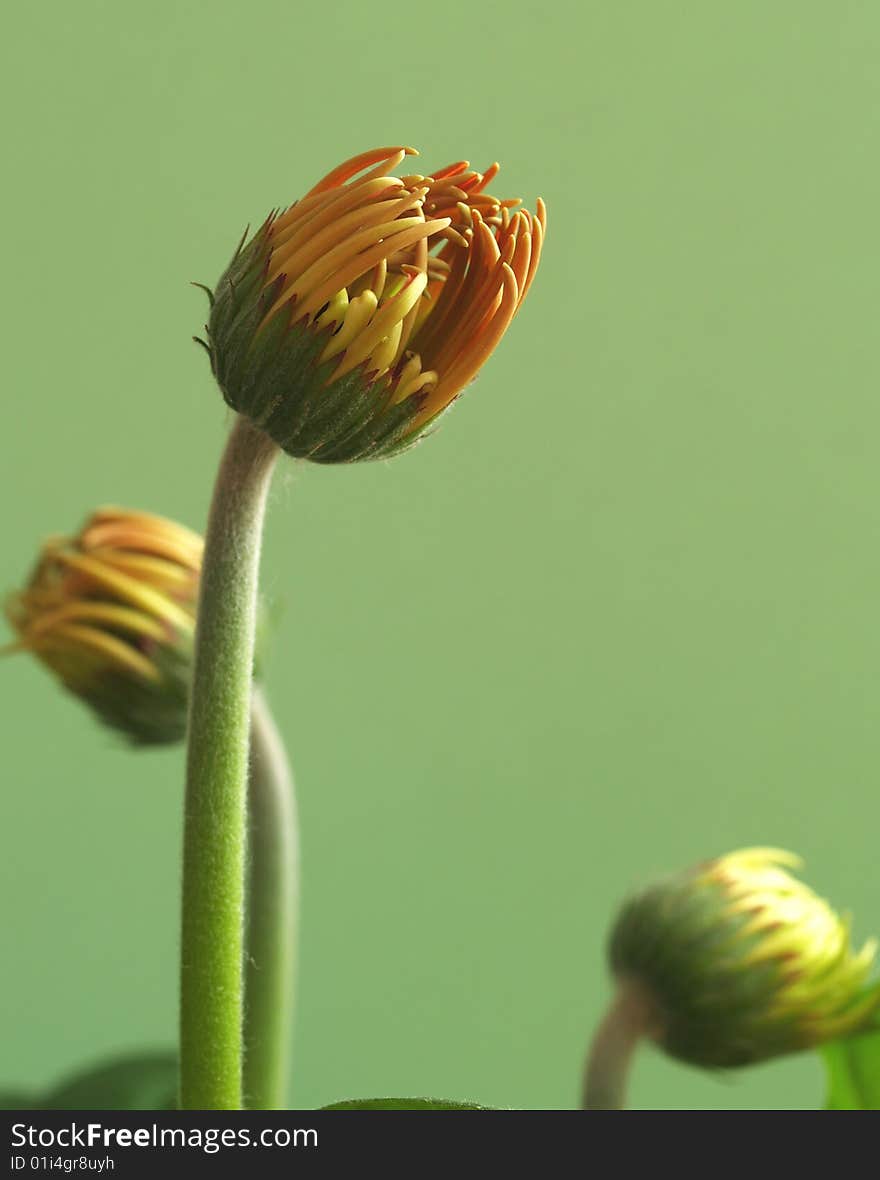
x: 351, y: 320
x: 111, y: 611
x: 742, y: 962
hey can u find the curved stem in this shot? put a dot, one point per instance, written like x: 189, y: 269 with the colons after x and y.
x: 629, y: 1018
x: 271, y: 913
x: 217, y: 758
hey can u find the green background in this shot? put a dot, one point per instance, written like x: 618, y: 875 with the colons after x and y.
x: 618, y: 614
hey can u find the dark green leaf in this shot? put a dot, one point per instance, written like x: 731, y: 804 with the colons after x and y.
x: 146, y: 1081
x: 404, y: 1104
x: 14, y: 1100
x: 853, y: 1069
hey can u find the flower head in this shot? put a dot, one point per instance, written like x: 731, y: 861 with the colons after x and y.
x: 111, y: 612
x: 742, y: 961
x: 350, y: 321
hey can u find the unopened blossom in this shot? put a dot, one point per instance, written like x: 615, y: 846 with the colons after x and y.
x: 350, y: 321
x: 740, y: 961
x: 111, y: 611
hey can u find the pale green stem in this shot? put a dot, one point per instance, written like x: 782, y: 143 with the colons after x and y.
x: 629, y: 1019
x: 271, y: 914
x: 211, y: 979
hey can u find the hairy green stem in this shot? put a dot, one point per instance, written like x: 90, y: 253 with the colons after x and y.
x: 211, y: 978
x: 271, y: 913
x: 629, y: 1018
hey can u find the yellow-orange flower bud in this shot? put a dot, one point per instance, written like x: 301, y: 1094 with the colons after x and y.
x: 740, y: 961
x: 351, y: 320
x: 111, y: 611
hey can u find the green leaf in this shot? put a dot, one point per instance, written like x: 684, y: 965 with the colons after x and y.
x: 146, y: 1081
x: 404, y: 1104
x: 853, y: 1070
x: 15, y: 1100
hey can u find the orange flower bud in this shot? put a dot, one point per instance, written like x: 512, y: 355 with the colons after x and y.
x: 350, y: 321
